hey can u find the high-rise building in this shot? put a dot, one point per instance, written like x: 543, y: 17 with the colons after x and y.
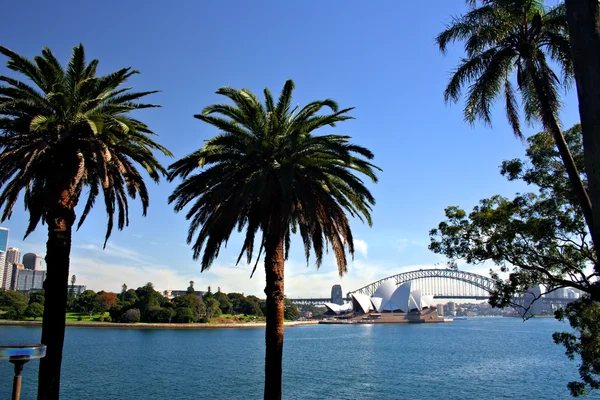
x: 12, y: 257
x: 30, y: 280
x: 15, y: 273
x: 32, y: 262
x: 336, y: 295
x: 2, y: 267
x: 440, y: 309
x: 4, y: 239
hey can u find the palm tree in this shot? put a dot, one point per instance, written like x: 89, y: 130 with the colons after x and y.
x: 67, y: 131
x: 584, y: 31
x: 503, y: 37
x: 267, y: 172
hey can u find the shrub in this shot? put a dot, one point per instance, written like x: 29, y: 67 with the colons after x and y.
x: 131, y: 316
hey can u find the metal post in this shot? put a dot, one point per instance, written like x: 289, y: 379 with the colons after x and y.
x: 16, y: 392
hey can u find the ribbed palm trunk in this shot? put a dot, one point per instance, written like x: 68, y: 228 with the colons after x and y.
x: 584, y: 22
x: 58, y: 249
x: 552, y: 127
x: 274, y: 258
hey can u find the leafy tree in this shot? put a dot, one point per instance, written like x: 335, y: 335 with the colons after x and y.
x: 37, y: 297
x: 107, y: 300
x: 13, y: 303
x: 267, y: 171
x: 213, y: 308
x: 190, y: 288
x: 539, y: 239
x: 131, y: 316
x: 148, y: 299
x: 583, y: 17
x: 71, y: 298
x: 63, y: 130
x: 165, y: 314
x: 291, y: 311
x: 503, y: 37
x: 87, y: 302
x: 184, y: 315
x: 224, y: 303
x: 34, y: 310
x: 131, y: 296
x: 123, y: 292
x: 192, y: 302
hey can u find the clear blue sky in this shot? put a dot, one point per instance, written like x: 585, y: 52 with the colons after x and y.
x: 378, y: 57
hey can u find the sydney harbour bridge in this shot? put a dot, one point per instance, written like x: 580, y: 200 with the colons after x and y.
x: 438, y: 282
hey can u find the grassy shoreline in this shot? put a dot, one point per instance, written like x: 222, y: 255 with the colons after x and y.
x: 140, y: 325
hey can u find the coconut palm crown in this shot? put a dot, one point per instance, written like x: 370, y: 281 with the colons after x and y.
x: 63, y: 130
x: 522, y: 38
x: 268, y: 173
x: 266, y: 163
x: 72, y: 129
x: 502, y: 37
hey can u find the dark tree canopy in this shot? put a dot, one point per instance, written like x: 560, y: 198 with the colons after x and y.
x: 538, y: 238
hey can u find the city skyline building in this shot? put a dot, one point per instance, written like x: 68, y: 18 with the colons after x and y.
x: 33, y: 262
x: 13, y: 256
x: 336, y: 295
x: 15, y: 273
x: 2, y: 268
x: 28, y: 280
x: 4, y: 239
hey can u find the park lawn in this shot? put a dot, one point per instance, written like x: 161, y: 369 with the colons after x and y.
x: 84, y: 317
x: 232, y: 319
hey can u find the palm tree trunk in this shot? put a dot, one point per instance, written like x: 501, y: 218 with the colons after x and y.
x: 274, y: 258
x: 584, y: 24
x: 58, y: 248
x: 552, y: 127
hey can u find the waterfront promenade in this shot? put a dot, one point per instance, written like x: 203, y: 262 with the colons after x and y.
x: 139, y: 325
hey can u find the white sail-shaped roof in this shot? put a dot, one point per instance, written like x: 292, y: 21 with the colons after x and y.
x: 427, y: 301
x: 400, y: 299
x: 346, y: 307
x: 363, y: 301
x: 414, y: 300
x: 385, y: 290
x: 376, y: 302
x: 336, y: 308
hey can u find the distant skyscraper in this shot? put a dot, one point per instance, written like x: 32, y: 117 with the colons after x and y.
x: 15, y: 274
x: 2, y: 267
x: 4, y: 239
x: 12, y: 257
x: 336, y: 295
x: 32, y: 262
x: 30, y: 280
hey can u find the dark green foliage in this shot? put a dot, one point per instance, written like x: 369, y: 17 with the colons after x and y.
x: 72, y: 114
x: 266, y: 161
x: 224, y: 303
x: 241, y: 304
x: 37, y: 297
x: 539, y: 238
x: 87, y: 302
x: 584, y: 317
x: 14, y: 303
x: 502, y: 38
x: 130, y: 316
x: 291, y: 311
x: 212, y: 307
x: 191, y: 302
x: 34, y: 310
x: 184, y: 315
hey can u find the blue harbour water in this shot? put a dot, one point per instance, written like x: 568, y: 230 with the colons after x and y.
x: 488, y: 358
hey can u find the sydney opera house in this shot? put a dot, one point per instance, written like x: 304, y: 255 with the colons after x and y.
x: 389, y: 303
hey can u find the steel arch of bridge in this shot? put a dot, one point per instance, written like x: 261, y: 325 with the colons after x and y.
x: 479, y: 281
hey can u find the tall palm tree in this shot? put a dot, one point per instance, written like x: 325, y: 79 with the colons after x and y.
x: 69, y: 130
x: 266, y: 171
x: 502, y: 37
